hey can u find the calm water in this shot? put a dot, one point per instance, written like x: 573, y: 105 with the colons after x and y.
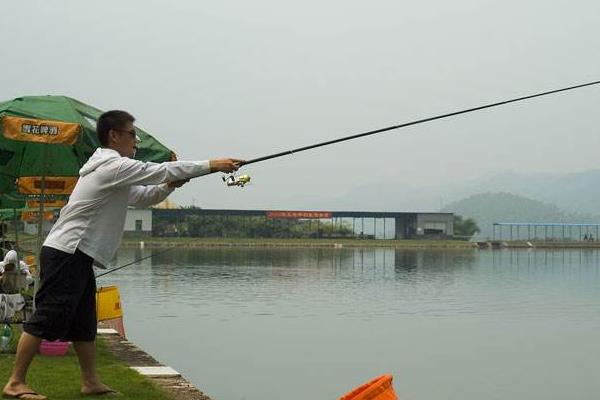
x: 272, y: 324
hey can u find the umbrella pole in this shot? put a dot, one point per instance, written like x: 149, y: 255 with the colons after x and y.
x: 15, y: 222
x: 38, y: 270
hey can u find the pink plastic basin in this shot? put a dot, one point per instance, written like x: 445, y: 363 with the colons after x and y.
x: 56, y: 348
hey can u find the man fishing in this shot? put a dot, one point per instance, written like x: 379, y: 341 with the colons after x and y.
x: 89, y: 231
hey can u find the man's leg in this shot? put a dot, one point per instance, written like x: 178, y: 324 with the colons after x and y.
x: 26, y: 350
x: 90, y: 381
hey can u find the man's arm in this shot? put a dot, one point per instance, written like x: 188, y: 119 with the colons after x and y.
x: 133, y: 172
x: 146, y: 196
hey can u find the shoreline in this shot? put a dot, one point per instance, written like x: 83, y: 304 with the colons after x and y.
x: 317, y: 243
x: 171, y: 382
x: 189, y: 242
x: 128, y: 369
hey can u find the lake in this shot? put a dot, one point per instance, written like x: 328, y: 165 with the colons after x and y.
x: 313, y: 323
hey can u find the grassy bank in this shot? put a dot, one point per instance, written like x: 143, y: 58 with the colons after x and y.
x: 58, y: 377
x: 265, y: 242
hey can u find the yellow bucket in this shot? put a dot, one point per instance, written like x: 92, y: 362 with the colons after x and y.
x: 108, y: 303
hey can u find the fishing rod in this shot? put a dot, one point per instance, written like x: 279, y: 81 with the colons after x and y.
x: 420, y: 121
x: 242, y: 180
x: 134, y: 262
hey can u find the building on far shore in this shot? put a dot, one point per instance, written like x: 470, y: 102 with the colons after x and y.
x: 358, y: 224
x: 286, y: 223
x: 138, y: 223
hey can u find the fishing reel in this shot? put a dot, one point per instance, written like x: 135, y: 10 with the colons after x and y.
x: 233, y: 180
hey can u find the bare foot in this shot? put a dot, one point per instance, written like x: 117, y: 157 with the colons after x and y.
x: 20, y: 391
x: 97, y: 389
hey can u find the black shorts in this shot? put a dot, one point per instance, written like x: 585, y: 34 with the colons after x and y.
x: 66, y: 300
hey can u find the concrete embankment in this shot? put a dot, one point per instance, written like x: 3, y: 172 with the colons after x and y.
x: 171, y: 381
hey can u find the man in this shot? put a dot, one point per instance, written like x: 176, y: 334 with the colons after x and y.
x: 89, y: 230
x: 14, y: 274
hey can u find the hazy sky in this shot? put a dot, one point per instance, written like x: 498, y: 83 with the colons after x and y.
x: 249, y: 78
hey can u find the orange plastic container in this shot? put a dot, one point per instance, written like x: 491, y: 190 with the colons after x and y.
x: 379, y: 388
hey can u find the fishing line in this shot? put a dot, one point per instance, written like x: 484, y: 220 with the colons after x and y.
x: 373, y: 132
x: 420, y: 121
x: 134, y: 262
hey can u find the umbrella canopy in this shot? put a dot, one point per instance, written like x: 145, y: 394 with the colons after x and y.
x: 52, y: 137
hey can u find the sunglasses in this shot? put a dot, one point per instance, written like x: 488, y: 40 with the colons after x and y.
x: 131, y: 133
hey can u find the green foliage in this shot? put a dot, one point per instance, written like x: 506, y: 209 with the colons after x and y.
x: 248, y: 227
x: 465, y: 228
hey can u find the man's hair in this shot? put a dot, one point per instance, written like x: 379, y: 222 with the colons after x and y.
x: 115, y: 119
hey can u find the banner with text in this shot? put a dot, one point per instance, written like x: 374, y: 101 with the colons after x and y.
x: 299, y: 214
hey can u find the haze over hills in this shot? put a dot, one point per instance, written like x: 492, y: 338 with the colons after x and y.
x: 488, y: 208
x: 573, y: 193
x: 502, y: 197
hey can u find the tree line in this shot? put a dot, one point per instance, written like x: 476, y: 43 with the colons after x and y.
x: 247, y: 227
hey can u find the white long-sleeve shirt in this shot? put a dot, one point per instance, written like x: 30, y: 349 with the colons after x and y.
x: 93, y: 219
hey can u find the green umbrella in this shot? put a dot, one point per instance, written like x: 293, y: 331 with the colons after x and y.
x: 52, y: 137
x: 44, y: 141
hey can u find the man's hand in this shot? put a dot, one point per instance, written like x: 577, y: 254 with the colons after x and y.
x: 176, y: 184
x: 227, y: 165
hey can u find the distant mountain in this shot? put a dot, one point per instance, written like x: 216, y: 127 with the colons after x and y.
x: 487, y: 208
x: 575, y: 193
x: 578, y: 192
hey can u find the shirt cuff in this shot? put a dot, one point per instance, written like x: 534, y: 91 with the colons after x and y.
x: 205, y: 166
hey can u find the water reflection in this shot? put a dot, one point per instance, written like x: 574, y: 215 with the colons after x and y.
x: 328, y: 316
x: 410, y: 266
x: 545, y: 257
x: 337, y: 260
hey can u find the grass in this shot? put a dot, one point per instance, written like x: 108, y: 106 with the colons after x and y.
x: 59, y: 378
